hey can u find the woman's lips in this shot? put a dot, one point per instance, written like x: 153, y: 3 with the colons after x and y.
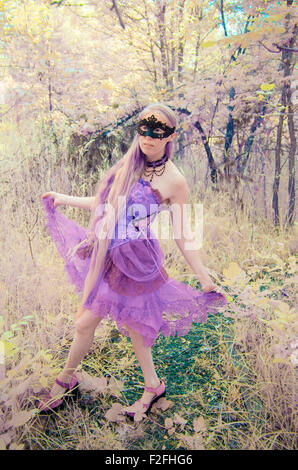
x: 148, y: 145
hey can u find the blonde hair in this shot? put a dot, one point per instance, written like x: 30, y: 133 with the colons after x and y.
x: 118, y: 181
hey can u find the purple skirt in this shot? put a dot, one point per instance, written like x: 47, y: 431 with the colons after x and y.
x: 133, y: 289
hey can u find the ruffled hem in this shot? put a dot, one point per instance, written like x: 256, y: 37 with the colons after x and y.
x: 169, y: 310
x: 66, y: 235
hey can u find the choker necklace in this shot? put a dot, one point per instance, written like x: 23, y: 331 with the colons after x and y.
x: 161, y: 162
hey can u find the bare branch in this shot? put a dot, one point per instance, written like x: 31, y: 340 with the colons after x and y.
x: 279, y: 48
x: 223, y: 17
x: 267, y: 48
x: 282, y: 48
x: 117, y: 13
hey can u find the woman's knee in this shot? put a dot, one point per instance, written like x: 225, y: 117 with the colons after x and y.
x: 87, y: 323
x: 134, y: 335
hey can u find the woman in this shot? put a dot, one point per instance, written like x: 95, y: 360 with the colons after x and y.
x: 118, y: 262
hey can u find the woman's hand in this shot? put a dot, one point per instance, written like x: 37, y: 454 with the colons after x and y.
x: 57, y: 198
x: 208, y: 285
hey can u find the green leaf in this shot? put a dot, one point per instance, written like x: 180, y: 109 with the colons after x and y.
x: 8, y: 334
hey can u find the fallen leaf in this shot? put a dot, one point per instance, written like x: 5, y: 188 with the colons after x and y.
x: 7, y: 437
x: 283, y: 307
x: 192, y: 442
x: 168, y: 423
x: 163, y: 403
x: 116, y: 413
x: 232, y: 271
x: 2, y: 444
x: 20, y: 418
x: 88, y: 382
x: 138, y: 410
x: 179, y: 420
x: 199, y: 424
x: 115, y: 386
x: 138, y: 416
x: 15, y: 446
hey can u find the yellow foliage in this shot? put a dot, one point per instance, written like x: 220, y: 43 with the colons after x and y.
x: 9, y: 348
x: 274, y: 17
x: 267, y: 86
x: 280, y: 360
x: 208, y: 43
x: 235, y: 275
x: 232, y: 271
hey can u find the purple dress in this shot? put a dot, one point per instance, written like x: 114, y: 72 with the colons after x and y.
x: 133, y: 289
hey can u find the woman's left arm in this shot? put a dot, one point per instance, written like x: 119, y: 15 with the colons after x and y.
x: 183, y: 237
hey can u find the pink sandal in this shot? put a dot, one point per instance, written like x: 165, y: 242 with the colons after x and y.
x: 159, y: 391
x: 47, y: 404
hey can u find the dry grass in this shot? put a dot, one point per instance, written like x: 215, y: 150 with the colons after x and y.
x: 239, y: 389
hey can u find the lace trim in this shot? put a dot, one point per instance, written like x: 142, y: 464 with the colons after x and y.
x: 176, y: 318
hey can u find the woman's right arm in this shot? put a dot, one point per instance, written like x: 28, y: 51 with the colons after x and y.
x: 64, y: 199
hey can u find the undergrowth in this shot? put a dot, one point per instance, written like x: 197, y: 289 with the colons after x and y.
x: 230, y: 382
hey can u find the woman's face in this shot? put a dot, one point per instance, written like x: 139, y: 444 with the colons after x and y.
x: 155, y: 147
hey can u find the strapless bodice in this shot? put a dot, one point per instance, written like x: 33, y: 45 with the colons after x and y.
x: 142, y: 206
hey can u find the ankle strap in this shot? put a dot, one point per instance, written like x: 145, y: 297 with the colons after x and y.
x: 153, y: 390
x: 71, y: 383
x: 62, y: 384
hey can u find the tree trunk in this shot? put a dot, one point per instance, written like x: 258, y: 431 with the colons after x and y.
x: 288, y: 66
x: 277, y: 159
x: 162, y: 39
x: 291, y: 184
x: 287, y: 111
x: 181, y: 42
x: 151, y: 45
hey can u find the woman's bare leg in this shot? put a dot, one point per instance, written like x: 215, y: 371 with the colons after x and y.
x: 83, y: 339
x: 144, y: 357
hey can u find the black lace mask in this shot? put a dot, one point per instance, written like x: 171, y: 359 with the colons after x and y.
x: 154, y: 128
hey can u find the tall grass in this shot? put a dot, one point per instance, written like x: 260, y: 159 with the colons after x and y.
x: 230, y: 382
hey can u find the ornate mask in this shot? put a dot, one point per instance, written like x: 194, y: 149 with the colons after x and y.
x: 154, y: 128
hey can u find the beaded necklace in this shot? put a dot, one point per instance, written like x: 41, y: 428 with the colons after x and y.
x: 158, y: 163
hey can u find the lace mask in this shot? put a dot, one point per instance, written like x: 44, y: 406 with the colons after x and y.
x: 154, y: 128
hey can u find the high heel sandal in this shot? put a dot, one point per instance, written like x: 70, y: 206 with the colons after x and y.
x: 47, y: 404
x: 159, y: 391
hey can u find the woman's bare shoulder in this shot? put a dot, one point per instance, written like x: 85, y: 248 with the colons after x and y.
x: 177, y: 181
x: 175, y: 174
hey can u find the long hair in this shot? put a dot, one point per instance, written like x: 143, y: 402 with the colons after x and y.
x: 118, y: 181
